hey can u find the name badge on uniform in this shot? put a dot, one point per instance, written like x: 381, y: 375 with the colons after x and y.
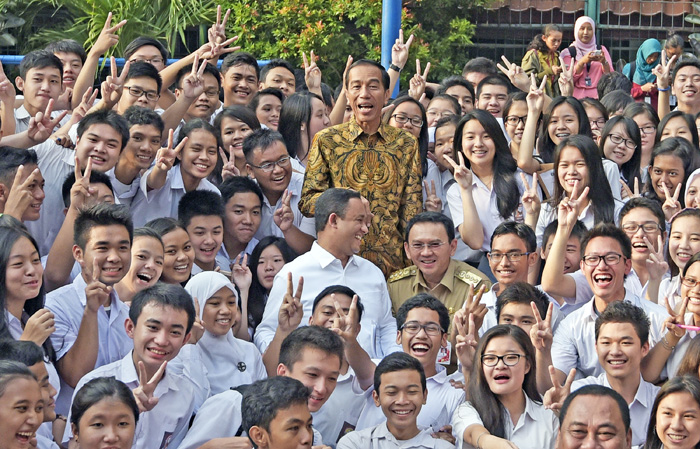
x: 647, y: 100
x: 444, y: 354
x: 589, y: 82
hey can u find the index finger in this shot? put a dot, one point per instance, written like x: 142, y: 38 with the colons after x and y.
x: 524, y: 178
x: 425, y: 73
x: 507, y: 62
x: 418, y: 67
x: 49, y: 110
x: 88, y: 170
x: 553, y: 377
x: 433, y: 189
x: 300, y: 287
x: 290, y: 284
x: 125, y: 71
x: 677, y: 192
x: 18, y: 175
x: 306, y: 61
x: 665, y: 188
x: 95, y: 270
x: 196, y: 307
x: 668, y: 308
x: 684, y: 304
x: 570, y: 378
x: 218, y: 15
x: 536, y: 312
x: 400, y: 36
x: 195, y: 65
x: 143, y: 376
x: 450, y: 161
x: 409, y: 41
x: 226, y: 16
x: 222, y: 153
x: 159, y: 374
x: 636, y: 185
x: 113, y: 67
x: 544, y: 82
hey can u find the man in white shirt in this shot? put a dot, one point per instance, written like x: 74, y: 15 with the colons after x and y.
x: 89, y: 316
x: 160, y: 321
x: 605, y: 262
x: 341, y: 225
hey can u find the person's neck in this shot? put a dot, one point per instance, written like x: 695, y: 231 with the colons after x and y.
x: 430, y: 370
x: 640, y: 268
x: 273, y: 197
x: 514, y: 148
x: 325, y: 242
x: 31, y: 109
x: 515, y: 403
x: 125, y: 172
x: 433, y: 281
x: 601, y: 303
x: 15, y: 307
x: 405, y: 432
x: 87, y: 281
x: 125, y: 290
x: 190, y: 182
x: 626, y: 386
x: 483, y: 172
x: 369, y: 128
x: 150, y: 371
x: 206, y: 266
x: 233, y: 246
x: 689, y: 108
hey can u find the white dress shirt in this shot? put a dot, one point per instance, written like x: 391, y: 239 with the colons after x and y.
x: 549, y: 213
x: 124, y: 193
x: 379, y: 437
x: 162, y: 202
x: 348, y: 397
x: 267, y: 223
x: 463, y: 252
x: 574, y: 341
x: 536, y: 428
x: 321, y: 269
x: 225, y: 261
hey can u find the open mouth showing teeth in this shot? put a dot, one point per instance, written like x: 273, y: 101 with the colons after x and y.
x: 145, y: 277
x: 365, y: 107
x: 616, y: 362
x: 420, y: 348
x: 180, y: 268
x: 676, y: 437
x: 97, y: 159
x: 640, y: 245
x: 157, y: 351
x: 562, y: 135
x: 402, y: 412
x: 201, y: 166
x: 280, y: 179
x: 25, y: 435
x: 502, y: 377
x: 602, y: 278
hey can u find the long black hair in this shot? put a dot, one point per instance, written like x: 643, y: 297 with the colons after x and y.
x: 678, y: 384
x: 630, y: 169
x: 423, y: 136
x: 683, y: 150
x: 545, y: 144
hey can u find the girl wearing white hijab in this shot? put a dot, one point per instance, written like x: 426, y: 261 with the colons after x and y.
x: 591, y: 62
x: 692, y: 190
x: 229, y: 362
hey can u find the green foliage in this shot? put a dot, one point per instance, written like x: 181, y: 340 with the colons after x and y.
x: 8, y: 21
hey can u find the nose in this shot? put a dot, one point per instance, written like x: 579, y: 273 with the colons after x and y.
x: 320, y: 386
x: 181, y: 255
x: 276, y: 170
x: 306, y: 437
x: 161, y: 338
x: 113, y: 255
x: 110, y: 435
x: 247, y: 218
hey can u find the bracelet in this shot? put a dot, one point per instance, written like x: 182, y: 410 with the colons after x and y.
x: 663, y: 90
x: 664, y: 342
x: 60, y: 418
x: 395, y: 67
x: 479, y: 438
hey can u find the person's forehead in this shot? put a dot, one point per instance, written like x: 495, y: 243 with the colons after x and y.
x: 166, y: 315
x: 329, y: 300
x: 273, y: 152
x: 494, y: 89
x: 603, y: 243
x: 688, y: 70
x: 39, y: 370
x: 143, y: 82
x: 364, y: 72
x: 400, y: 379
x: 311, y: 357
x: 507, y: 241
x: 147, y: 50
x: 432, y: 230
x: 617, y: 330
x: 458, y: 90
x: 209, y: 78
x: 112, y: 232
x: 205, y: 221
x: 517, y: 308
x: 423, y: 314
x: 149, y: 130
x: 593, y: 411
x: 280, y: 71
x: 242, y: 69
x: 44, y: 71
x: 640, y: 213
x: 68, y: 56
x: 244, y: 198
x: 103, y: 131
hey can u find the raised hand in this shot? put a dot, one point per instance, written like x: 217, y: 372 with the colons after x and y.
x: 21, y: 193
x: 217, y: 32
x: 7, y: 90
x: 192, y: 84
x: 113, y: 86
x: 41, y: 126
x: 81, y: 190
x: 229, y: 169
x: 399, y: 51
x: 198, y: 326
x: 461, y: 173
x: 671, y: 323
x: 433, y: 202
x: 566, y: 78
x: 85, y: 105
x: 626, y: 193
x: 417, y: 84
x: 535, y: 97
x: 108, y: 37
x: 291, y: 311
x: 165, y: 157
x: 96, y: 292
x: 39, y: 327
x: 569, y: 207
x: 368, y: 212
x: 312, y: 74
x: 541, y: 332
x: 466, y: 339
x: 531, y: 201
x: 472, y: 305
x: 663, y: 71
x: 515, y: 74
x: 671, y: 206
x: 144, y: 392
x: 284, y: 216
x: 554, y: 397
x: 241, y: 274
x: 656, y: 263
x: 346, y: 325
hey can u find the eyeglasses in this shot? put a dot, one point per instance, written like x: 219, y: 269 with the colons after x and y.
x: 648, y: 227
x: 413, y: 327
x: 513, y: 256
x: 211, y: 93
x: 646, y: 130
x: 618, y: 139
x: 138, y: 93
x: 600, y: 122
x: 420, y: 246
x: 508, y: 359
x: 402, y: 119
x: 513, y: 120
x: 150, y: 61
x: 610, y: 259
x: 268, y: 167
x: 689, y: 282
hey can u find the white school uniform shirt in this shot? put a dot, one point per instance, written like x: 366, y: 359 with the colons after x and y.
x: 220, y: 417
x: 433, y: 176
x: 42, y: 442
x: 22, y: 118
x: 612, y: 173
x: 549, y: 213
x: 167, y: 423
x: 640, y: 408
x: 379, y: 437
x: 443, y: 399
x: 267, y: 223
x: 463, y: 252
x: 225, y: 261
x: 348, y: 397
x: 536, y: 428
x: 321, y: 269
x: 55, y: 163
x: 670, y: 288
x: 573, y: 345
x: 67, y: 304
x: 676, y: 357
x: 124, y: 193
x: 162, y: 202
x: 485, y: 200
x: 570, y: 304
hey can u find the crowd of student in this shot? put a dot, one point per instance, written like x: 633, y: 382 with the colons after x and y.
x: 202, y: 258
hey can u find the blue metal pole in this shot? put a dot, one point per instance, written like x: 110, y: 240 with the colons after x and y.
x: 16, y: 59
x: 391, y: 24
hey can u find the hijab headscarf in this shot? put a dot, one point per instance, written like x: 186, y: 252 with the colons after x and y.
x: 642, y: 73
x: 689, y: 181
x: 581, y: 48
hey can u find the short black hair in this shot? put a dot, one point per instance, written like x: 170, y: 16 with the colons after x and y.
x: 164, y: 225
x: 266, y: 397
x: 611, y: 231
x: 105, y: 117
x: 137, y: 115
x: 578, y: 231
x: 199, y: 203
x: 210, y: 69
x: 240, y: 58
x: 694, y: 62
x: 616, y: 100
x: 332, y: 201
x: 39, y: 59
x: 314, y: 337
x: 480, y: 65
x: 432, y: 217
x: 103, y: 214
x: 240, y: 113
x: 398, y: 361
x: 640, y: 201
x: 522, y: 293
x: 613, y: 81
x: 521, y: 230
x: 140, y: 69
x: 492, y: 80
x: 456, y: 107
x: 598, y: 391
x: 67, y: 46
x: 142, y: 41
x: 96, y: 177
x: 386, y: 81
x: 164, y: 295
x: 425, y: 301
x: 10, y: 160
x: 147, y: 232
x: 272, y: 91
x: 263, y: 139
x: 625, y: 312
x: 455, y: 80
x: 274, y: 63
x: 27, y: 353
x: 239, y: 184
x: 198, y: 123
x: 98, y: 389
x: 340, y: 289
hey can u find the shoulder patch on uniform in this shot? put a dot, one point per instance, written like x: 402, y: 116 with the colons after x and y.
x: 468, y: 277
x: 403, y: 273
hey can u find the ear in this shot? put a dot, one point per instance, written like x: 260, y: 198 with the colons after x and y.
x: 443, y: 340
x: 628, y: 266
x: 187, y: 338
x: 398, y: 338
x: 532, y: 259
x: 282, y: 370
x: 333, y: 220
x: 19, y: 82
x: 303, y: 127
x: 129, y: 326
x: 249, y: 169
x: 408, y: 254
x: 387, y: 96
x: 4, y: 193
x: 78, y: 255
x: 375, y: 396
x: 645, y: 349
x: 259, y: 436
x: 425, y: 396
x: 311, y: 320
x: 453, y: 247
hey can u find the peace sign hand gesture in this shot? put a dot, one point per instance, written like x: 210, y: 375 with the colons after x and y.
x: 663, y: 71
x: 229, y: 169
x: 569, y: 207
x: 284, y: 216
x: 554, y: 397
x: 418, y: 82
x: 627, y: 193
x: 472, y: 305
x: 113, y: 86
x: 312, y: 74
x: 144, y: 392
x: 671, y: 206
x: 433, y: 202
x: 461, y: 173
x: 41, y: 126
x: 656, y: 263
x: 515, y: 74
x: 291, y: 311
x: 192, y: 84
x: 198, y: 326
x: 217, y: 32
x: 344, y: 325
x: 21, y: 194
x: 165, y: 157
x: 86, y: 103
x: 108, y: 37
x: 96, y: 292
x: 530, y: 199
x: 241, y: 274
x: 541, y: 332
x: 399, y: 51
x: 535, y: 97
x: 671, y: 323
x: 81, y: 190
x: 466, y: 339
x: 566, y: 78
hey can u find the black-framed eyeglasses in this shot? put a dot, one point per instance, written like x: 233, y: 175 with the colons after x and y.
x: 403, y: 119
x: 420, y: 246
x: 610, y: 259
x: 599, y: 121
x: 138, y: 93
x: 648, y: 227
x: 148, y: 60
x: 413, y: 327
x: 268, y: 167
x: 508, y: 359
x: 618, y: 139
x: 513, y: 120
x: 649, y: 129
x: 513, y: 256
